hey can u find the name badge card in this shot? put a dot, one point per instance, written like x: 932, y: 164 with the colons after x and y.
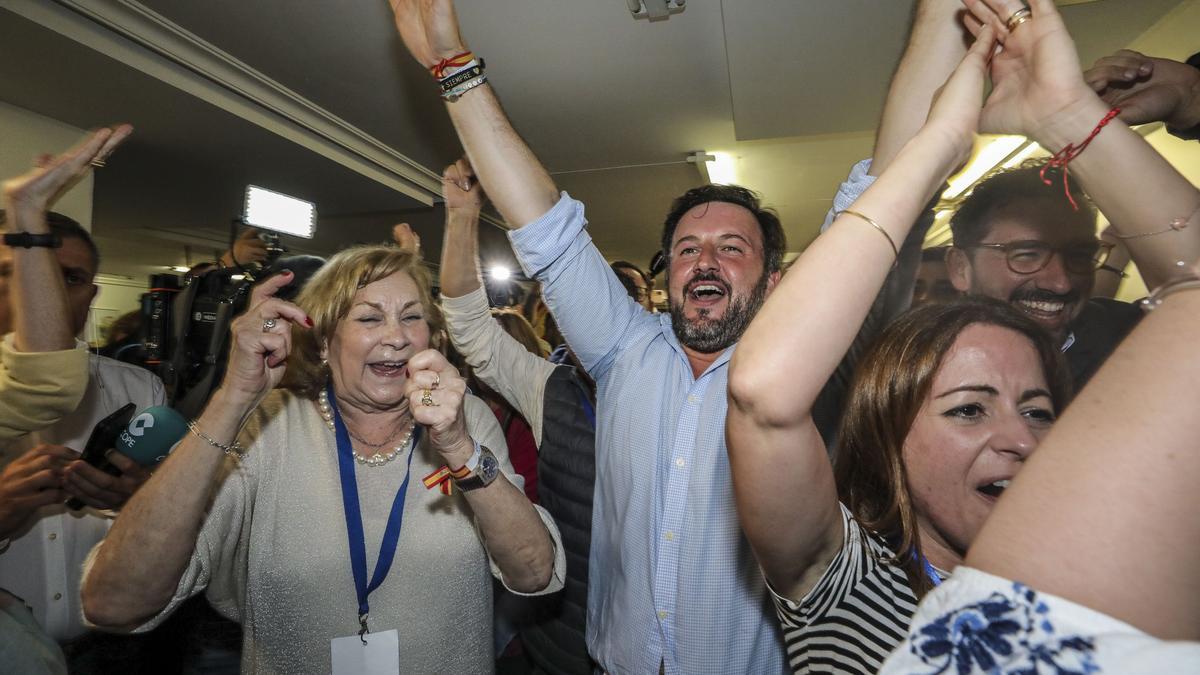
x: 380, y: 656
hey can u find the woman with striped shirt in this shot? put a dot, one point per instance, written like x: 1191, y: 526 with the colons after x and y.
x: 943, y: 411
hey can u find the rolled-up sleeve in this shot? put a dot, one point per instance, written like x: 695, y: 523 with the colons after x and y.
x: 592, y: 308
x: 38, y: 388
x: 850, y: 190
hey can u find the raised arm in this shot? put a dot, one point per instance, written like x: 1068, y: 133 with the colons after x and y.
x: 38, y: 298
x: 499, y: 361
x: 1114, y: 482
x: 786, y: 498
x: 515, y: 180
x: 935, y: 46
x: 139, y: 565
x: 1148, y: 89
x: 1049, y: 101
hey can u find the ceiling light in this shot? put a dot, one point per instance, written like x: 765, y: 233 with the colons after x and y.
x: 500, y: 273
x: 988, y: 157
x: 717, y: 168
x: 179, y: 268
x: 654, y: 10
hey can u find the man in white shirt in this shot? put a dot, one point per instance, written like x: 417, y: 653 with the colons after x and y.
x: 42, y: 551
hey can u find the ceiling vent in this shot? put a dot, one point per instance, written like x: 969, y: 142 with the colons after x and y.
x: 654, y: 10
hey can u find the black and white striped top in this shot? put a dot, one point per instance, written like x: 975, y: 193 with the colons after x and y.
x: 856, y: 614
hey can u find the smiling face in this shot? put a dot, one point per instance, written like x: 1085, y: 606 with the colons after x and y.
x: 988, y: 408
x: 716, y: 279
x: 1053, y: 296
x: 372, y: 343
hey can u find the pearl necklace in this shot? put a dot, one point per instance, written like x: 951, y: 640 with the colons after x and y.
x: 376, y: 459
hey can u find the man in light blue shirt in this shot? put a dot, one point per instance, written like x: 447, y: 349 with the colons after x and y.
x: 673, y: 584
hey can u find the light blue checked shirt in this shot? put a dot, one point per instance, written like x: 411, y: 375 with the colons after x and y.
x: 672, y: 579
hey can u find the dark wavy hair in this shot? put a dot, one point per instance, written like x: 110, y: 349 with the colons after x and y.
x: 1008, y: 188
x: 888, y: 390
x: 774, y: 239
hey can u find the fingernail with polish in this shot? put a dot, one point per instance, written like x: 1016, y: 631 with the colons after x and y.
x: 308, y: 321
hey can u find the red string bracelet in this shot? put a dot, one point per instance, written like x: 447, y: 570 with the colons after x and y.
x: 439, y: 69
x: 1063, y: 157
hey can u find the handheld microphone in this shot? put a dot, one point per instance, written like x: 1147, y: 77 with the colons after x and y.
x: 151, y: 435
x: 147, y: 439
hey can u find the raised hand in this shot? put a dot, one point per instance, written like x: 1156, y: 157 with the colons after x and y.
x: 460, y: 189
x: 1036, y: 75
x: 30, y: 482
x: 1148, y: 89
x: 956, y: 107
x: 28, y: 197
x: 262, y: 341
x: 429, y: 28
x: 406, y: 239
x: 435, y: 393
x: 247, y: 248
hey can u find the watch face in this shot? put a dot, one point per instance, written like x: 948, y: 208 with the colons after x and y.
x: 489, y: 468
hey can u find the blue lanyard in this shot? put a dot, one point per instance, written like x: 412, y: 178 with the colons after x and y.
x: 930, y: 571
x: 588, y: 410
x: 354, y: 526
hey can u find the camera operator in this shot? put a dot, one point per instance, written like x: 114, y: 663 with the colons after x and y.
x: 42, y: 544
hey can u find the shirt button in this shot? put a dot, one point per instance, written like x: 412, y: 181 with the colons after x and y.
x: 53, y: 536
x: 670, y: 536
x: 662, y: 615
x: 692, y: 398
x: 679, y: 462
x: 58, y: 596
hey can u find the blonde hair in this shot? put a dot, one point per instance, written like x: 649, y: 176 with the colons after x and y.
x: 329, y: 294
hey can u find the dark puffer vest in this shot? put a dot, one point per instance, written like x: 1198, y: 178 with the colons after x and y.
x: 555, y: 639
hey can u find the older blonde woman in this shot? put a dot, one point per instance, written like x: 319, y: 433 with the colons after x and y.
x: 329, y: 482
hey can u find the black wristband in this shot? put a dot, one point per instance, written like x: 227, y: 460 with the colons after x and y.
x: 460, y: 77
x: 27, y: 240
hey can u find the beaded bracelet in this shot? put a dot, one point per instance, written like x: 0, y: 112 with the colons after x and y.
x: 457, y: 92
x: 233, y: 449
x: 1186, y: 281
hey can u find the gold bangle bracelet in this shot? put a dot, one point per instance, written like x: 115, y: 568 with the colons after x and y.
x: 891, y: 242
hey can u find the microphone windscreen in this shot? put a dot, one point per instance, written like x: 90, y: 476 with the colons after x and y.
x: 151, y: 434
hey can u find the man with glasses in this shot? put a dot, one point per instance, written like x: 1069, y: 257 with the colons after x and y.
x: 1015, y: 237
x: 1017, y: 240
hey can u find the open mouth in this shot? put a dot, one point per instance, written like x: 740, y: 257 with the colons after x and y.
x: 707, y: 292
x: 994, y: 489
x: 387, y: 368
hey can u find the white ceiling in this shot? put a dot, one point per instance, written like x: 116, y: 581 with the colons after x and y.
x: 612, y: 105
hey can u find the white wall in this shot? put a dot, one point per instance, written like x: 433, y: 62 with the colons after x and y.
x: 25, y: 135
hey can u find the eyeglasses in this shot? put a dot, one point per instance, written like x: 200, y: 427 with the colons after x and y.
x: 1030, y: 257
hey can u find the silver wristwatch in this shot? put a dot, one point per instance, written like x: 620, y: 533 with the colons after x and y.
x: 486, y: 470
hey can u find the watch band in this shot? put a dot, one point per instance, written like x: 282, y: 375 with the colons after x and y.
x: 28, y: 240
x: 484, y: 473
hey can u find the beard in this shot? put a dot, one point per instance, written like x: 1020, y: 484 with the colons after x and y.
x: 707, y: 335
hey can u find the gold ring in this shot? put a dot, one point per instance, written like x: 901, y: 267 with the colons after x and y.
x: 427, y: 397
x: 1018, y: 17
x: 98, y: 163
